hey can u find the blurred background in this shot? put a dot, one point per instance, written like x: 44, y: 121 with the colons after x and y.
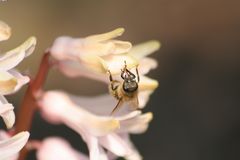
x: 196, y: 108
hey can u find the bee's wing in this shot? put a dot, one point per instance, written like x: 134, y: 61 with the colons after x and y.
x: 134, y: 102
x: 119, y: 104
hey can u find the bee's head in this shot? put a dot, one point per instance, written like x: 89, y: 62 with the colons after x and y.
x: 129, y: 84
x: 127, y: 75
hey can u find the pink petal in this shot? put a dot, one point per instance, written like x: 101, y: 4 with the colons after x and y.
x: 55, y: 148
x: 6, y: 112
x: 57, y: 107
x: 10, y: 147
x: 75, y: 69
x: 115, y: 144
x: 120, y: 145
x: 105, y: 104
x: 146, y: 64
x: 136, y: 125
x: 96, y: 152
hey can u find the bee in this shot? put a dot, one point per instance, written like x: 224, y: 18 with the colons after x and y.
x: 125, y: 91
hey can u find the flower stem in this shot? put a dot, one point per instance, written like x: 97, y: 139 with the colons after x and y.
x: 28, y: 107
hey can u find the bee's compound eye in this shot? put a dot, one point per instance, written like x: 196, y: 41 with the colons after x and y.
x: 130, y: 86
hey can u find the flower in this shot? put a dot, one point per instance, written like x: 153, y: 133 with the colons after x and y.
x: 10, y: 146
x: 11, y: 81
x: 93, y: 50
x: 74, y: 68
x: 56, y: 148
x: 89, y: 117
x: 92, y: 57
x: 6, y: 112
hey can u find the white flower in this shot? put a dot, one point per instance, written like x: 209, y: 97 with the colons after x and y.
x: 10, y: 146
x: 10, y: 79
x: 139, y: 52
x: 94, y: 52
x: 92, y: 57
x: 89, y: 117
x: 56, y: 148
x: 10, y: 82
x: 6, y: 112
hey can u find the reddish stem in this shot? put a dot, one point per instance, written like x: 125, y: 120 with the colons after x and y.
x: 28, y: 107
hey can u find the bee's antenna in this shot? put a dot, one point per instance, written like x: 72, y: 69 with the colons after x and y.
x: 138, y: 78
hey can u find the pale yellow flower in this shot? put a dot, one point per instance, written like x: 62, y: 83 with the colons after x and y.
x: 139, y: 52
x: 86, y: 57
x: 93, y: 50
x: 10, y: 79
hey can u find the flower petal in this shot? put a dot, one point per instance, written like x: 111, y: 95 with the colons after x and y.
x: 104, y: 48
x: 55, y: 148
x: 68, y: 48
x: 115, y: 63
x: 15, y: 56
x: 136, y: 125
x: 121, y: 46
x: 57, y: 107
x: 96, y: 152
x: 11, y: 81
x: 120, y: 145
x: 21, y: 80
x: 12, y: 146
x: 134, y: 154
x: 147, y: 83
x: 106, y: 36
x: 75, y: 69
x: 6, y: 112
x: 105, y: 104
x: 143, y: 98
x: 146, y: 64
x: 94, y: 63
x: 7, y: 82
x: 144, y: 49
x: 5, y: 31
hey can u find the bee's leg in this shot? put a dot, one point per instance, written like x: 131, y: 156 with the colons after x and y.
x: 114, y: 83
x: 117, y: 106
x: 130, y: 73
x: 122, y: 74
x: 134, y: 102
x: 110, y: 76
x: 138, y: 77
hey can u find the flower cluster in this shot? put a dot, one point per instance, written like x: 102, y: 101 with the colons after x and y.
x: 107, y: 137
x: 10, y: 82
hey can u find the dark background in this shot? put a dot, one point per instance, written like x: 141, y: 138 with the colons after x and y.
x: 196, y: 107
